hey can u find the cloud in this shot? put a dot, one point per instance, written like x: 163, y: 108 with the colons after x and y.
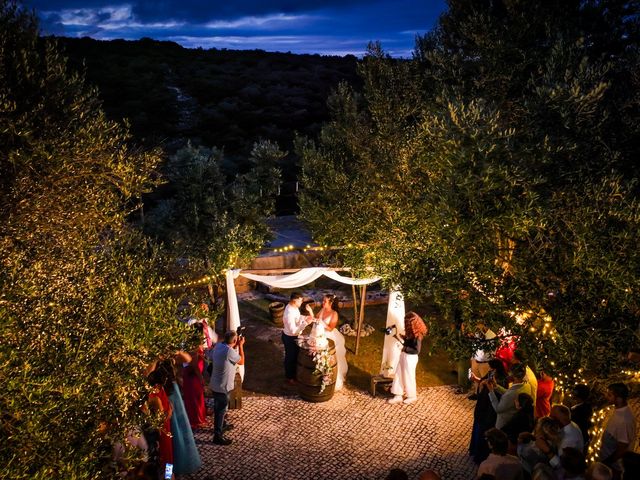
x: 266, y: 24
x: 89, y: 21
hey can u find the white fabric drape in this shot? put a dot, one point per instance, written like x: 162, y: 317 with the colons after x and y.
x: 395, y: 311
x: 392, y: 347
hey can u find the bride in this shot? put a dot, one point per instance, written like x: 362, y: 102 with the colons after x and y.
x: 328, y: 315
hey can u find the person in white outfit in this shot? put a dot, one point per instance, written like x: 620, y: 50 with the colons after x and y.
x: 404, y: 381
x: 328, y: 315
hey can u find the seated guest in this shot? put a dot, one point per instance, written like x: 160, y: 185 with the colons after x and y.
x: 499, y: 463
x: 543, y: 394
x: 582, y: 411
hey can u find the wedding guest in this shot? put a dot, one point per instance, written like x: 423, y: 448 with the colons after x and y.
x: 480, y: 358
x: 193, y: 385
x: 158, y: 404
x: 225, y: 358
x: 484, y: 416
x: 541, y: 446
x: 499, y: 463
x: 543, y: 394
x: 404, y: 381
x: 522, y: 421
x: 582, y: 411
x: 572, y: 464
x: 570, y: 432
x: 620, y: 431
x: 186, y: 458
x: 520, y: 358
x: 505, y: 407
x: 293, y: 325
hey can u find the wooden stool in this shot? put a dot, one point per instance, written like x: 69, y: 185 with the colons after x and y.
x: 379, y: 380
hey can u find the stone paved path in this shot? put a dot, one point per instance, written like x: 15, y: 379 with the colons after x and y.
x: 353, y: 436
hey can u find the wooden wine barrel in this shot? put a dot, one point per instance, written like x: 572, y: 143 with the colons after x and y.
x: 310, y: 381
x: 277, y: 311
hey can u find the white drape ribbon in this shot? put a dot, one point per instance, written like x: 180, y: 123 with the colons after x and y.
x: 395, y: 311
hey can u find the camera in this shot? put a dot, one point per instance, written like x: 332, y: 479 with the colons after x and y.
x: 389, y: 330
x: 240, y: 331
x: 491, y: 374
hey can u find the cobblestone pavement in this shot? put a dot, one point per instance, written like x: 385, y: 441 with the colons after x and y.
x: 352, y: 436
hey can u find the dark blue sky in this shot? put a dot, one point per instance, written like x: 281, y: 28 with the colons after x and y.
x: 337, y: 27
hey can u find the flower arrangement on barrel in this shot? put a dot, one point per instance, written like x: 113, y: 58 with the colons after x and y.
x: 317, y: 346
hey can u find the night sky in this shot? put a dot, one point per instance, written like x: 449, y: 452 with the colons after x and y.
x: 330, y: 27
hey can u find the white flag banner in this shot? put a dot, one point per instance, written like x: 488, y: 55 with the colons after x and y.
x: 392, y: 347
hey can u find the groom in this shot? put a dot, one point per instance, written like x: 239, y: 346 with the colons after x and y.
x: 293, y: 325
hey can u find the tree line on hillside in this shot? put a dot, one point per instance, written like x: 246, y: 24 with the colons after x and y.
x: 238, y: 97
x: 496, y: 173
x: 225, y: 100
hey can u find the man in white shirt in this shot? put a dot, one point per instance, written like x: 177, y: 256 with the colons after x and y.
x: 571, y: 435
x: 620, y: 433
x: 293, y: 325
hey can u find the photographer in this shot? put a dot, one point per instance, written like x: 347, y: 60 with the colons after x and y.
x: 404, y: 381
x: 225, y: 359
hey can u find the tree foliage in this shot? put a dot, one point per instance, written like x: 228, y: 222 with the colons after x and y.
x: 496, y: 173
x: 80, y: 317
x: 214, y: 223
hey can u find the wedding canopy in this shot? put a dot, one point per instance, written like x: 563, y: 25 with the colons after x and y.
x: 395, y: 310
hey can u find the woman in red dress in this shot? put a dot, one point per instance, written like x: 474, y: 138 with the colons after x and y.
x: 193, y: 389
x: 159, y: 404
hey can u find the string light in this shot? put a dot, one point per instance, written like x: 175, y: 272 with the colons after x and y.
x: 191, y: 283
x: 595, y: 433
x: 316, y: 248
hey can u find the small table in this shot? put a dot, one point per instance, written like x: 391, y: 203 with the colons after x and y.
x: 379, y: 380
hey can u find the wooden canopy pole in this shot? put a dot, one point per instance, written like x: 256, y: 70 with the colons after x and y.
x: 355, y: 306
x: 363, y: 296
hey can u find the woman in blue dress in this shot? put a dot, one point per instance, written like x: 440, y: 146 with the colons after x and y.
x: 186, y: 458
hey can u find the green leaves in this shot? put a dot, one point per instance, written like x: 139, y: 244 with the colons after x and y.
x: 493, y: 172
x: 215, y: 223
x: 81, y: 315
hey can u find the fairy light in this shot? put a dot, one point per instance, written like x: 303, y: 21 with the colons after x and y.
x: 191, y: 283
x: 595, y: 433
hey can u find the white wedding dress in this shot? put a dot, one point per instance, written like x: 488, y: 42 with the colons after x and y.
x: 341, y: 353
